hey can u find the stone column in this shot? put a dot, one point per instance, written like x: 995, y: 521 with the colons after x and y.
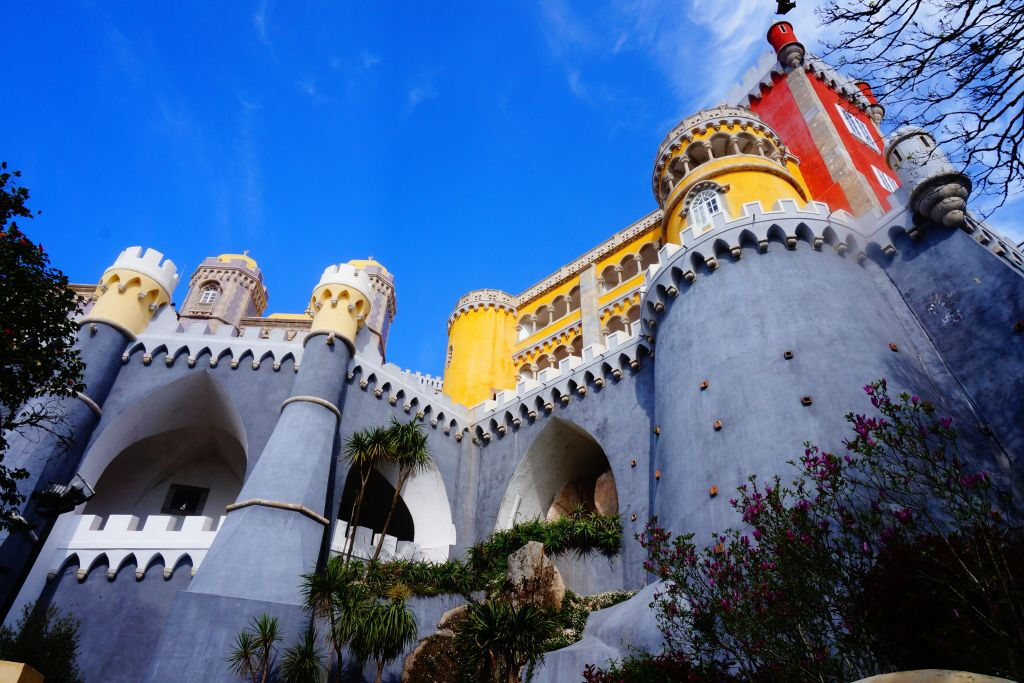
x: 128, y: 295
x: 276, y: 529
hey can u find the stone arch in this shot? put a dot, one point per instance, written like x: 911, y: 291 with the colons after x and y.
x: 610, y: 277
x: 379, y: 493
x: 563, y: 463
x: 648, y: 255
x: 574, y: 298
x: 187, y: 434
x: 527, y: 371
x: 630, y: 267
x: 559, y: 308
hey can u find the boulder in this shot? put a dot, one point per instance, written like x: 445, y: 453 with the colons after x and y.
x: 579, y: 492
x: 606, y: 496
x: 533, y: 578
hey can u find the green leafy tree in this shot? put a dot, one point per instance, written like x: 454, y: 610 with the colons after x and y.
x: 408, y: 451
x: 364, y: 450
x: 828, y: 576
x: 385, y: 629
x: 37, y: 335
x: 46, y: 641
x: 503, y: 638
x: 304, y: 662
x: 252, y: 656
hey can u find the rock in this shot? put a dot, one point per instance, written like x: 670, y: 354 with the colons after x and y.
x: 452, y: 617
x: 432, y: 660
x: 579, y: 492
x: 933, y: 676
x: 606, y: 496
x: 534, y: 578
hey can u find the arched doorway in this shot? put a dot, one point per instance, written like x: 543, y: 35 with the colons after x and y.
x: 564, y: 468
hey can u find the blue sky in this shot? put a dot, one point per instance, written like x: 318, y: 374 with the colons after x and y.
x: 462, y: 144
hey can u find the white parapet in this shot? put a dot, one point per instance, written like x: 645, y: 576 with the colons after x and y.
x: 150, y: 263
x: 118, y: 538
x: 346, y: 275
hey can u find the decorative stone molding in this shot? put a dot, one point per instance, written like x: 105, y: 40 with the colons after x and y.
x: 481, y: 299
x: 150, y: 263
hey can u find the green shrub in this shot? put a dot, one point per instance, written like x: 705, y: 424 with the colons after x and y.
x: 46, y: 641
x: 576, y: 609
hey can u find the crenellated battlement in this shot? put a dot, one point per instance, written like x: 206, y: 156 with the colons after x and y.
x: 150, y: 263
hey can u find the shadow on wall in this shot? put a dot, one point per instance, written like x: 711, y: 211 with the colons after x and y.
x: 563, y: 469
x: 376, y: 503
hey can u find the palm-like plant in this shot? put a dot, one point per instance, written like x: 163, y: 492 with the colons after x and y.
x: 510, y: 637
x: 364, y: 450
x: 331, y: 594
x: 254, y: 647
x: 385, y: 629
x: 408, y: 451
x: 304, y: 662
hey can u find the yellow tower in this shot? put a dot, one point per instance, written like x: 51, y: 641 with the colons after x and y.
x: 340, y: 303
x: 481, y: 336
x: 132, y: 290
x: 716, y: 161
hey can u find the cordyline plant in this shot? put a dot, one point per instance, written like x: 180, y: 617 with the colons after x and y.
x: 896, y: 554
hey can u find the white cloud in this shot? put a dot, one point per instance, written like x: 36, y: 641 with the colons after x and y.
x: 369, y: 60
x: 420, y: 92
x: 259, y: 21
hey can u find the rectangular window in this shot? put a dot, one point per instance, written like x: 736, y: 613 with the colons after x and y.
x: 184, y: 500
x: 857, y: 127
x: 886, y: 180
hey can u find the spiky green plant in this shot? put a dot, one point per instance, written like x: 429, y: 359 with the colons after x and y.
x: 304, y: 662
x: 385, y: 629
x: 505, y: 638
x: 408, y: 451
x: 253, y: 652
x: 333, y: 593
x: 364, y: 450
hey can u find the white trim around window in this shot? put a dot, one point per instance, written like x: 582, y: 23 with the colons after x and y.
x: 857, y: 127
x: 886, y: 180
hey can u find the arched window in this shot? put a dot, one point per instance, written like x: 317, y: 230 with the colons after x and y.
x: 209, y: 294
x: 705, y: 205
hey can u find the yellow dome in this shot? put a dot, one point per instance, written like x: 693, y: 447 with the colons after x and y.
x: 362, y: 263
x: 226, y: 258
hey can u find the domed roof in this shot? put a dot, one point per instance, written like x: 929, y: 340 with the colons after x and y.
x: 363, y: 263
x: 228, y: 258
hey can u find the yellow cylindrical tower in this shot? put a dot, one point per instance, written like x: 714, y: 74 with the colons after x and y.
x: 340, y: 303
x: 481, y: 335
x: 132, y: 290
x: 716, y: 161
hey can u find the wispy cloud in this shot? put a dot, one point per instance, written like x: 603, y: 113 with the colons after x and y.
x: 420, y: 92
x: 369, y: 60
x: 259, y: 21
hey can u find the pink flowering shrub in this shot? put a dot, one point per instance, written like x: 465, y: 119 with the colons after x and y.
x: 829, y: 576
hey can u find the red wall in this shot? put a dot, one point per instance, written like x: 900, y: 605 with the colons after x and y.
x: 864, y: 157
x: 779, y: 110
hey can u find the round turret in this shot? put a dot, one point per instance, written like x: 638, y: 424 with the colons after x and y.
x: 787, y: 47
x: 481, y: 335
x: 382, y: 300
x: 937, y: 190
x: 133, y: 289
x: 340, y: 303
x: 716, y: 161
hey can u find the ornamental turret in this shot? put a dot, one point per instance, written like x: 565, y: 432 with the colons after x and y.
x: 132, y: 290
x: 340, y: 303
x: 787, y: 47
x: 481, y: 337
x: 716, y: 161
x: 937, y: 190
x: 383, y: 305
x: 225, y: 289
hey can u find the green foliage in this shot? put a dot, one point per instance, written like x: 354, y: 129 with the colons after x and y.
x: 46, y: 641
x: 336, y: 594
x: 647, y: 668
x: 488, y: 560
x: 253, y: 653
x: 893, y: 556
x: 304, y: 662
x: 408, y: 450
x: 499, y: 638
x: 383, y: 631
x: 576, y: 609
x: 37, y: 336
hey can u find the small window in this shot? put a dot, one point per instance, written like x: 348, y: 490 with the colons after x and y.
x: 184, y: 500
x: 886, y: 180
x: 896, y: 153
x: 209, y: 295
x: 782, y: 29
x: 857, y: 127
x: 448, y: 358
x: 703, y: 207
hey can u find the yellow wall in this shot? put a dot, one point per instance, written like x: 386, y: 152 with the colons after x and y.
x: 127, y: 299
x: 749, y: 179
x: 481, y: 342
x: 331, y: 310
